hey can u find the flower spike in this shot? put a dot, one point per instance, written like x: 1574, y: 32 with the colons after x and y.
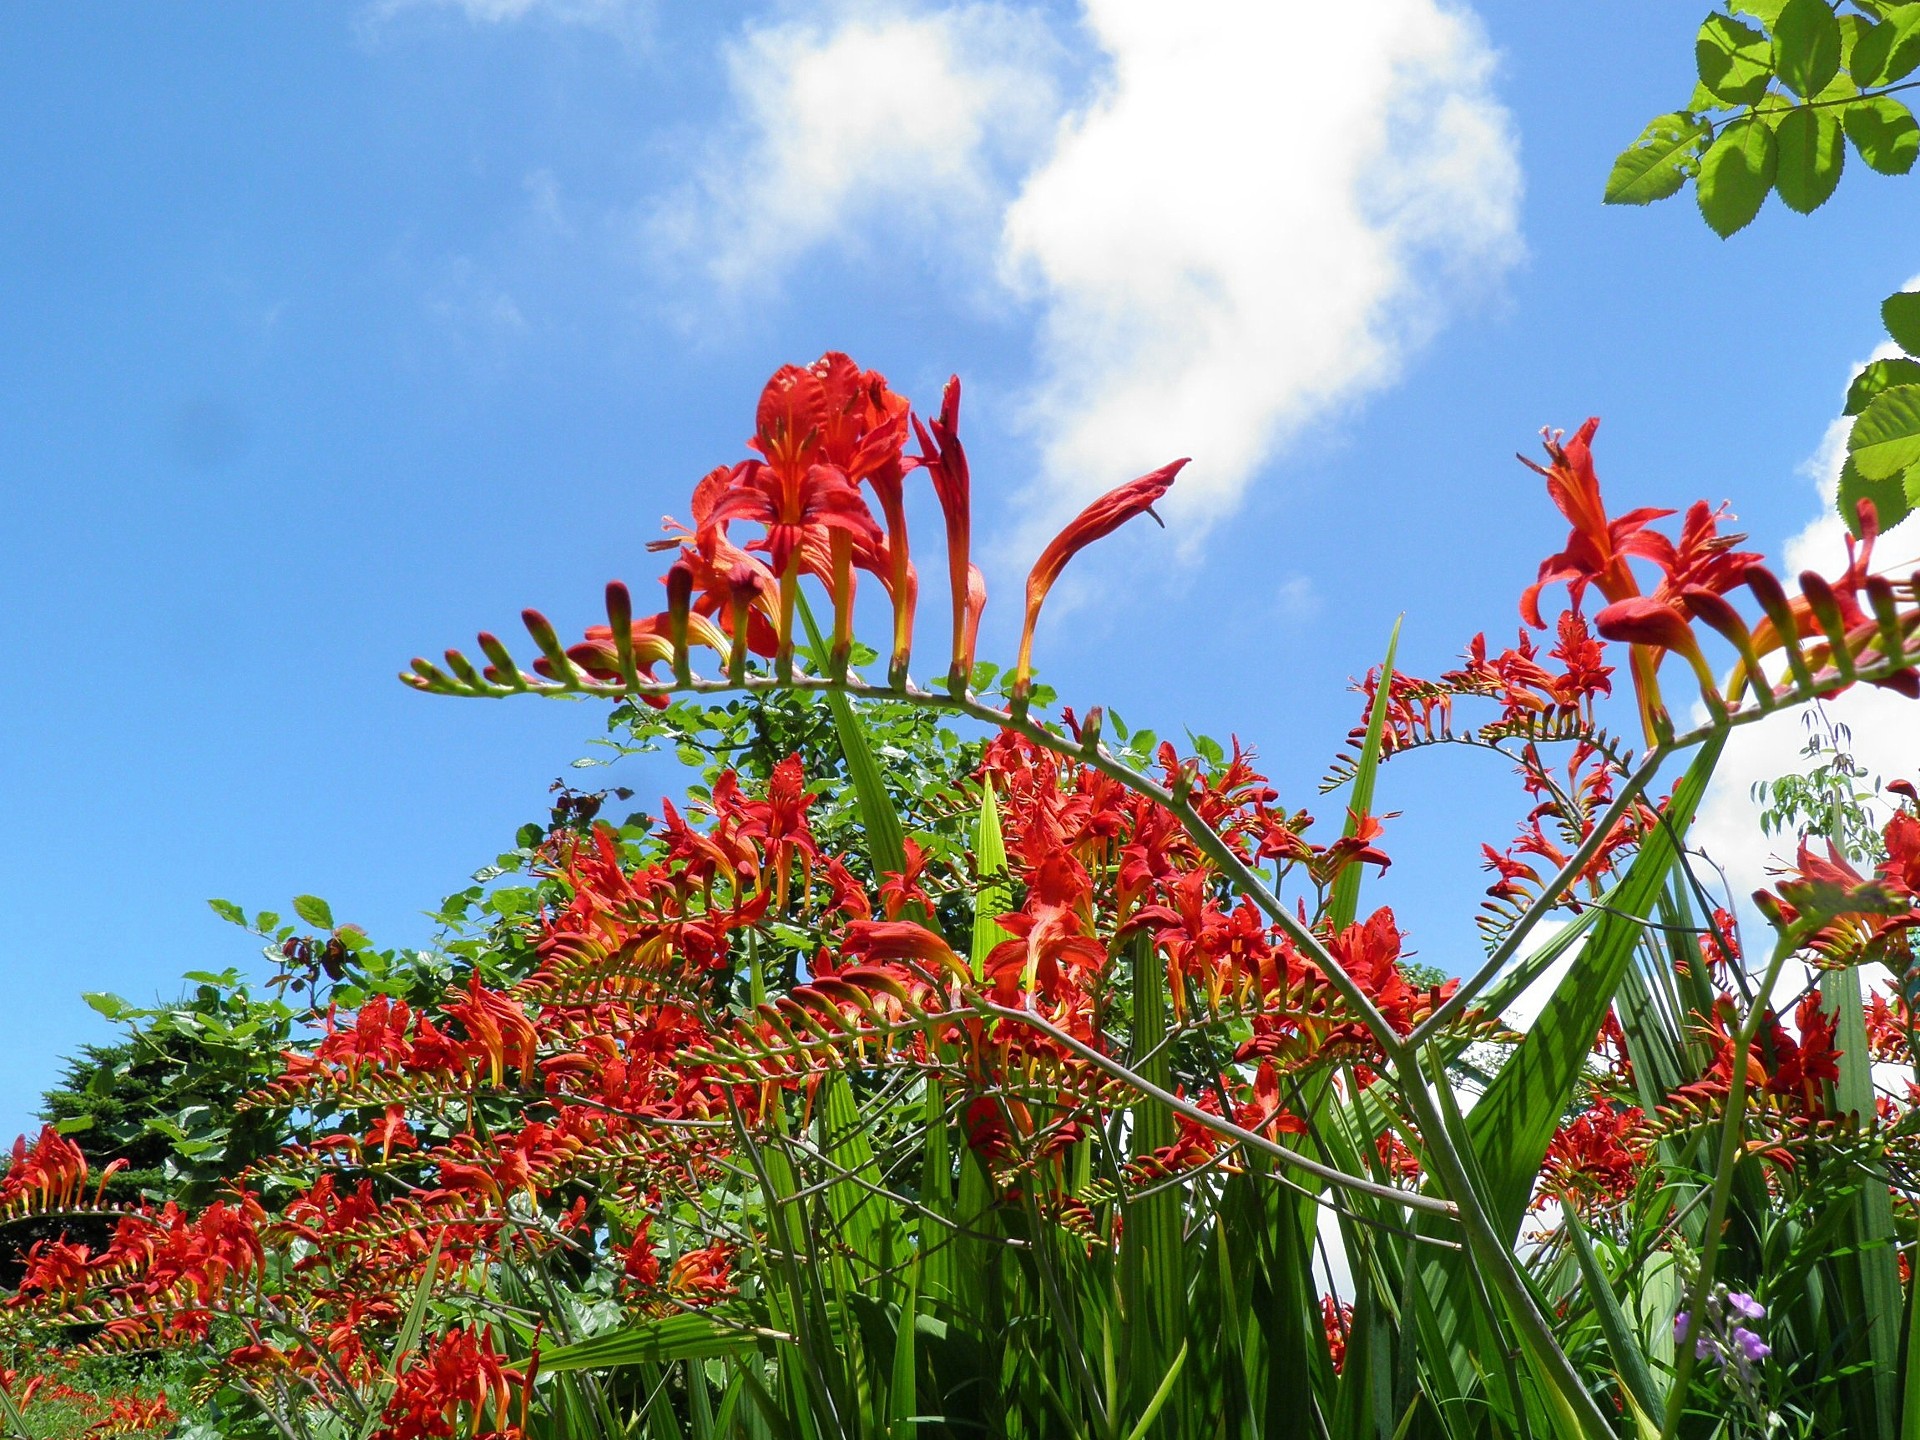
x: 945, y: 461
x: 1098, y: 520
x: 1783, y: 627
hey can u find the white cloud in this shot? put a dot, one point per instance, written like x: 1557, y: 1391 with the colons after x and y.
x: 1298, y: 599
x: 1233, y: 235
x: 1241, y: 233
x: 1883, y: 725
x: 855, y: 122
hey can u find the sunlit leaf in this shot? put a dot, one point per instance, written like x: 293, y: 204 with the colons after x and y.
x: 1886, y: 438
x: 1813, y: 150
x: 1888, y: 494
x: 1659, y: 162
x: 1901, y: 312
x: 1879, y: 375
x: 1884, y: 132
x: 1806, y: 46
x: 1735, y: 61
x: 1735, y: 175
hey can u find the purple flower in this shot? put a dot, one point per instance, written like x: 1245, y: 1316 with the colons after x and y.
x: 1681, y: 1322
x: 1750, y: 1344
x: 1745, y: 1306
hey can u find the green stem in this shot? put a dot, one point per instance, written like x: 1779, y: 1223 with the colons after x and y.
x: 1724, y: 1164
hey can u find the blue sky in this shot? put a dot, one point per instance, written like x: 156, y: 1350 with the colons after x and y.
x: 336, y: 332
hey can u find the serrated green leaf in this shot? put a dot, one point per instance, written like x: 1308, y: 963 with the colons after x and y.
x: 1852, y: 29
x: 1813, y: 150
x: 1806, y: 46
x: 1884, y: 132
x: 1659, y: 162
x: 1901, y: 312
x: 111, y: 1006
x: 1886, y: 438
x: 1735, y: 61
x: 313, y: 910
x: 229, y: 912
x: 1879, y: 375
x: 1889, y: 494
x: 1735, y: 175
x: 1889, y: 51
x: 1767, y: 12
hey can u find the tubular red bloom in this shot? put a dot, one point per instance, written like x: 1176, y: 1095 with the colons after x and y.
x: 1098, y: 520
x: 1595, y: 1158
x: 823, y: 429
x: 1597, y: 548
x: 945, y: 461
x: 1643, y: 620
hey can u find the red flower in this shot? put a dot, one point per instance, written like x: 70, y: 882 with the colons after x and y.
x: 640, y: 1266
x: 1597, y: 548
x: 1098, y: 520
x: 1596, y: 1157
x: 1902, y: 865
x: 822, y: 430
x: 946, y: 464
x: 1336, y: 1318
x: 460, y: 1372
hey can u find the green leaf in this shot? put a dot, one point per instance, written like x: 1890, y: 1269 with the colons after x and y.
x: 1635, y: 1375
x: 1344, y: 904
x: 1806, y: 46
x: 1879, y: 375
x: 1889, y: 495
x: 1735, y: 175
x: 1886, y: 438
x: 1659, y: 162
x: 1866, y: 1270
x: 1152, y: 1412
x: 903, y: 1386
x: 1890, y: 50
x: 229, y: 912
x: 880, y: 822
x: 1813, y: 150
x: 313, y: 910
x: 111, y: 1006
x: 1884, y: 132
x: 993, y: 895
x: 651, y: 1342
x: 1767, y: 12
x: 1901, y: 312
x: 1514, y: 1121
x: 1735, y: 61
x: 73, y: 1125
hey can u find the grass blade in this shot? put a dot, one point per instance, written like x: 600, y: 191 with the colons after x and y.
x: 1345, y: 904
x: 1512, y: 1125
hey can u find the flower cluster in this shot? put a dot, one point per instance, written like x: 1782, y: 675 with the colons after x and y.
x: 696, y: 1014
x: 1726, y: 1338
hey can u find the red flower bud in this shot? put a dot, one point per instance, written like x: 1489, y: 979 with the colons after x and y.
x: 1644, y: 621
